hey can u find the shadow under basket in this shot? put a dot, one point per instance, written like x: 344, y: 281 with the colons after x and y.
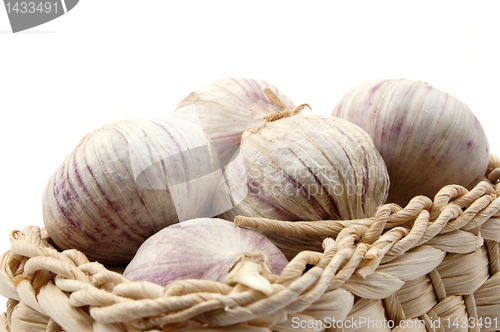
x: 431, y: 266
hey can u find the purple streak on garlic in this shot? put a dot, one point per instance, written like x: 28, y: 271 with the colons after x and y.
x: 125, y: 182
x: 207, y: 248
x: 427, y: 137
x: 228, y: 107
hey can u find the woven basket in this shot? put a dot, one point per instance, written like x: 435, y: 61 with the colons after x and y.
x: 431, y: 266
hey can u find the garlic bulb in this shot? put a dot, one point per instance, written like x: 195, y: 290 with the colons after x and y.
x: 304, y: 167
x: 427, y: 137
x: 226, y: 108
x: 125, y: 182
x: 207, y: 248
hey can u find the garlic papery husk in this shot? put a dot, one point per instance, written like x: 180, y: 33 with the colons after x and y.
x: 125, y: 182
x: 428, y: 138
x: 304, y: 167
x: 228, y: 107
x: 207, y: 248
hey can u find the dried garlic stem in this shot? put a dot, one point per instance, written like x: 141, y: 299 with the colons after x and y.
x: 285, y: 112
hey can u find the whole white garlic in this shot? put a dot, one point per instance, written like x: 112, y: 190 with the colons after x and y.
x: 304, y: 167
x: 228, y: 107
x: 428, y: 138
x: 125, y: 182
x: 207, y: 248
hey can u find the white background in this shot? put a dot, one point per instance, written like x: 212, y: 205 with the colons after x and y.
x: 110, y: 60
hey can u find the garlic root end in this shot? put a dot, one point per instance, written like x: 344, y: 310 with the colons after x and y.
x: 251, y: 270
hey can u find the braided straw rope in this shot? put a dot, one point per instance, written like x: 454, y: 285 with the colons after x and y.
x: 431, y: 266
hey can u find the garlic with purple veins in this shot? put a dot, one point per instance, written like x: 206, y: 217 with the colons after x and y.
x: 428, y: 138
x: 207, y: 248
x: 125, y: 182
x: 228, y: 107
x: 304, y: 167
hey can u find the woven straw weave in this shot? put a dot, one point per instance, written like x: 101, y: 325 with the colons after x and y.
x: 431, y: 266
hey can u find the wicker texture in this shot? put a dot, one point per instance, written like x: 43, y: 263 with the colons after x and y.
x: 431, y: 266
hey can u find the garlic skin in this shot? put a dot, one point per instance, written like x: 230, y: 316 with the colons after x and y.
x: 304, y: 167
x: 228, y: 107
x: 207, y: 248
x: 125, y: 182
x: 428, y: 138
